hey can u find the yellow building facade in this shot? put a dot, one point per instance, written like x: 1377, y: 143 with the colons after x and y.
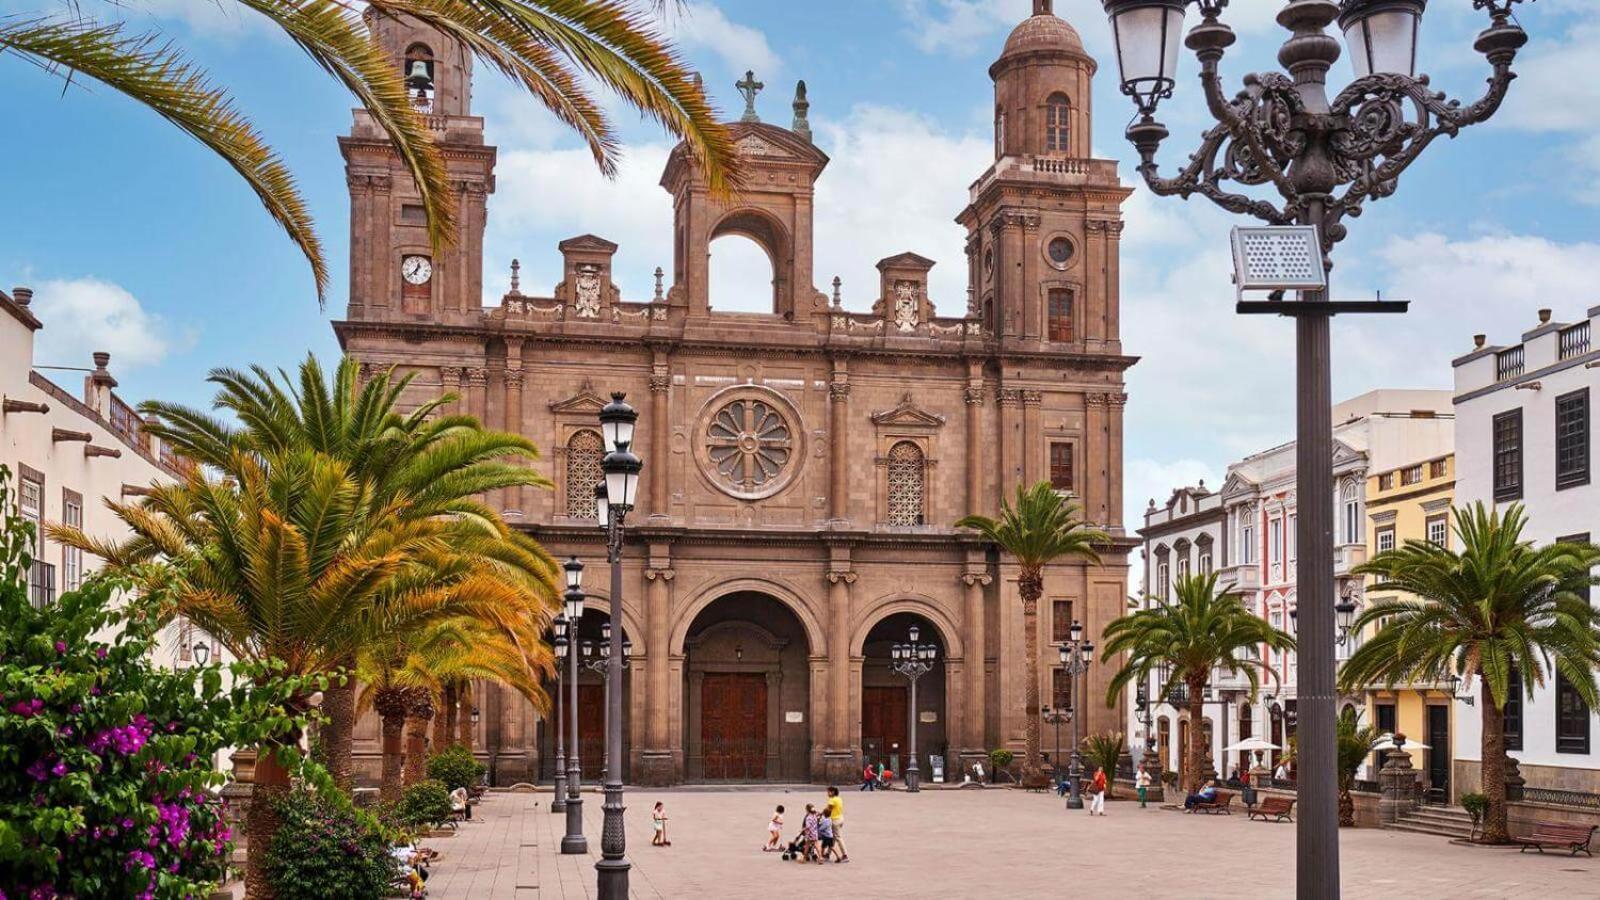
x: 1413, y: 502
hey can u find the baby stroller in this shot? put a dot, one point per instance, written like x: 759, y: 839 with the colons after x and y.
x: 796, y: 849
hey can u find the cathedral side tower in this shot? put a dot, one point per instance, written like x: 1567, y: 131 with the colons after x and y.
x: 395, y: 273
x: 1043, y: 221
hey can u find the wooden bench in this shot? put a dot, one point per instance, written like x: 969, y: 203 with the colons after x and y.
x: 1274, y: 809
x: 1552, y: 834
x: 1223, y: 804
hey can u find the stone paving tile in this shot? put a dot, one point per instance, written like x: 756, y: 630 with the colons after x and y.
x: 961, y: 844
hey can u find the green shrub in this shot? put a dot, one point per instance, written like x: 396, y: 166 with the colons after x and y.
x: 105, y: 759
x: 323, y: 852
x: 1000, y: 761
x: 456, y: 767
x: 424, y: 804
x: 1476, y: 806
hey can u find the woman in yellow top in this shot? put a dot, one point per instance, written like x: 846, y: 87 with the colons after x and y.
x: 835, y: 813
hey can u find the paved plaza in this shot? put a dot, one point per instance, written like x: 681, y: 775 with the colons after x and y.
x: 965, y: 843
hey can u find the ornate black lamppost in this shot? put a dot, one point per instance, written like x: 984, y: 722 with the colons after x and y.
x: 1325, y: 158
x: 1076, y: 654
x: 560, y: 643
x: 913, y: 659
x: 621, y: 468
x: 573, y: 841
x: 597, y: 658
x: 1056, y: 717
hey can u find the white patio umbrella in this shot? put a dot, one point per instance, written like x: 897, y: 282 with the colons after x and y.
x: 1251, y: 743
x: 1387, y: 743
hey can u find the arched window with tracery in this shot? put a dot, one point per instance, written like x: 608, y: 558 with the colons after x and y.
x: 584, y: 450
x: 906, y: 484
x: 1057, y: 112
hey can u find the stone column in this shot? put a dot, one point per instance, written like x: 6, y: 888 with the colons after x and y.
x: 477, y: 392
x: 1010, y: 438
x: 974, y: 742
x: 974, y: 396
x: 450, y: 383
x: 839, y: 443
x: 655, y: 762
x: 1095, y: 463
x: 1116, y: 404
x: 513, y: 500
x: 1032, y: 452
x: 1112, y: 283
x: 840, y: 762
x: 660, y: 437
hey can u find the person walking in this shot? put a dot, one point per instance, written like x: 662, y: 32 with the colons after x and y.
x: 658, y: 819
x: 869, y: 777
x: 1097, y: 803
x: 811, y: 830
x: 775, y: 831
x: 835, y: 813
x: 1142, y: 782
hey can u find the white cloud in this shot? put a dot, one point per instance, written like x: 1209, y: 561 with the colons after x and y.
x: 964, y: 27
x: 704, y: 26
x: 83, y: 315
x: 1147, y: 479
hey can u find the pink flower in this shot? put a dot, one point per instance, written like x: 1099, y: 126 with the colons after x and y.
x: 61, y: 646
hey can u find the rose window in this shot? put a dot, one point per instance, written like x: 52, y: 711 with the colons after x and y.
x: 749, y: 444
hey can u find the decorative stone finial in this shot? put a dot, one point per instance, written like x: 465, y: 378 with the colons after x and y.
x: 659, y: 274
x: 802, y: 126
x: 836, y: 301
x: 22, y: 296
x: 1043, y: 8
x: 516, y: 276
x: 1478, y: 340
x: 749, y: 87
x: 1544, y: 316
x: 101, y: 359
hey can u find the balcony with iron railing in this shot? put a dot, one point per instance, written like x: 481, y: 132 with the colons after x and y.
x: 1508, y: 363
x: 1573, y: 341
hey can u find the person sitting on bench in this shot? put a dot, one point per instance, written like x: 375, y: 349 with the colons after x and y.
x: 1206, y: 794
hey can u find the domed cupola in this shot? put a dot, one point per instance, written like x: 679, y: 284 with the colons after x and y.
x: 1042, y: 89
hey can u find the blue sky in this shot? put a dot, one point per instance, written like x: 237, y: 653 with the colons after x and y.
x: 139, y: 242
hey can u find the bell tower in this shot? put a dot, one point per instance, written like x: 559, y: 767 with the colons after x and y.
x: 1043, y: 222
x: 395, y: 273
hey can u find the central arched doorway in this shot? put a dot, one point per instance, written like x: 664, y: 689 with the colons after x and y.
x: 747, y: 692
x: 886, y: 714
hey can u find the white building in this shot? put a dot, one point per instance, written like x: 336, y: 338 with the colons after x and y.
x: 1252, y: 520
x: 70, y: 451
x: 1526, y: 428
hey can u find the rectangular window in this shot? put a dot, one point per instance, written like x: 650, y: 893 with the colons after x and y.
x: 1437, y: 469
x: 1411, y: 474
x: 1060, y: 689
x: 1061, y: 465
x: 1060, y: 621
x: 1163, y: 581
x: 1289, y: 534
x: 1386, y: 481
x: 1439, y: 530
x: 1572, y: 439
x: 1512, y: 708
x: 1205, y: 564
x: 1275, y: 541
x: 71, y: 557
x: 1508, y: 455
x: 1572, y: 718
x: 30, y: 505
x: 413, y: 214
x: 1352, y: 522
x: 1183, y: 568
x: 1247, y: 544
x: 1060, y: 302
x: 1386, y: 717
x: 1386, y: 539
x: 1577, y: 539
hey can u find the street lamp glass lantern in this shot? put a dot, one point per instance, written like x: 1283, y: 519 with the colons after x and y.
x: 474, y: 715
x: 574, y: 570
x: 617, y: 419
x: 559, y: 625
x: 602, y: 506
x: 1088, y: 651
x: 1346, y: 611
x: 574, y: 604
x: 627, y: 648
x: 622, y: 478
x: 605, y: 632
x: 1148, y: 35
x: 202, y: 652
x: 1075, y: 631
x: 914, y: 633
x: 1382, y: 35
x: 560, y: 645
x: 1066, y: 654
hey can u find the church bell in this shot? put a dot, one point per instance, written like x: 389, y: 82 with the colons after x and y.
x: 419, y: 80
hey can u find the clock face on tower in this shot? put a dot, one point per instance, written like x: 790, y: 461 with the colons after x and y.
x: 416, y: 269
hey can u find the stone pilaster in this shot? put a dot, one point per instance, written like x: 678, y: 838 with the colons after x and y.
x: 1032, y: 448
x: 839, y: 443
x: 477, y: 392
x: 1096, y: 434
x: 513, y: 499
x: 974, y: 740
x: 974, y: 398
x: 660, y: 437
x: 1009, y: 400
x: 839, y: 762
x: 1115, y: 405
x: 655, y: 762
x: 450, y: 383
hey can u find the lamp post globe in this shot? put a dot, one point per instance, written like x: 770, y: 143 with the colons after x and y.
x: 202, y: 652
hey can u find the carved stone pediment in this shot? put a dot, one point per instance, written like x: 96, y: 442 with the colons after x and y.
x: 755, y: 145
x: 1236, y: 485
x: 584, y: 402
x: 908, y: 413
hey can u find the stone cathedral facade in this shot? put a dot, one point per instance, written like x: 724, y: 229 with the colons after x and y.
x: 803, y: 468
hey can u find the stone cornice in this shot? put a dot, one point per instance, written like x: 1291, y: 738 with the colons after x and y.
x: 936, y: 540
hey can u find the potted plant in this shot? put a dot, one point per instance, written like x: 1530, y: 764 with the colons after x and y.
x: 1000, y: 761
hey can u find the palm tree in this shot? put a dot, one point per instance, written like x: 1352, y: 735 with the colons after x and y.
x: 280, y: 564
x: 1199, y: 631
x: 407, y: 466
x: 1355, y: 743
x: 1040, y: 528
x: 1496, y: 606
x: 554, y: 49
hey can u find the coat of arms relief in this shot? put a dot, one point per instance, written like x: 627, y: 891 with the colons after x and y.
x: 586, y: 302
x: 906, y: 303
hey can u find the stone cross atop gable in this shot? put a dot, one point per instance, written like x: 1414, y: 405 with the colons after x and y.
x: 749, y: 87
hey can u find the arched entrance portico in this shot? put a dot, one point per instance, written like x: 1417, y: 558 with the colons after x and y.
x: 886, y: 715
x: 746, y: 692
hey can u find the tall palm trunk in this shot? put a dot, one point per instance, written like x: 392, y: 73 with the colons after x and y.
x: 1031, y: 586
x: 1495, y: 828
x: 337, y: 736
x: 444, y: 725
x: 263, y: 819
x: 464, y: 721
x: 391, y: 705
x: 418, y: 719
x: 1347, y: 803
x: 1195, y: 753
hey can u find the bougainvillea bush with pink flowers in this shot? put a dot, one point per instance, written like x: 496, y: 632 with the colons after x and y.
x: 106, y: 761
